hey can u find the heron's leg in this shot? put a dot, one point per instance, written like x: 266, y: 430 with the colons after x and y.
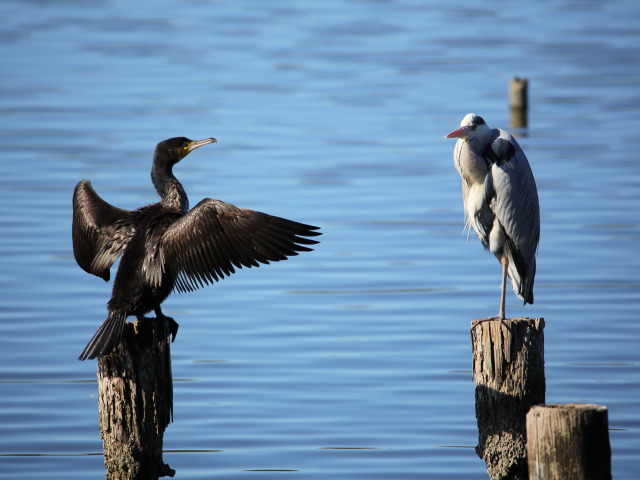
x: 503, y: 287
x: 504, y: 261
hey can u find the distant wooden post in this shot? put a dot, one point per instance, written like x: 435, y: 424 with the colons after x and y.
x: 135, y: 400
x: 519, y: 102
x: 569, y: 441
x: 508, y: 371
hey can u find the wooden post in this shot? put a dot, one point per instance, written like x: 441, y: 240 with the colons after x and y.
x: 518, y: 102
x: 135, y: 400
x: 569, y: 441
x: 508, y: 371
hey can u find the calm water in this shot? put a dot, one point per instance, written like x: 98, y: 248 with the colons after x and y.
x: 353, y: 361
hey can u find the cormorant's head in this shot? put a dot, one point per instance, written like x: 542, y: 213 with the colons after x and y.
x: 171, y: 151
x: 471, y: 126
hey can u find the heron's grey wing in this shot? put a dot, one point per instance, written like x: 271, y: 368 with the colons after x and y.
x: 510, y: 190
x: 215, y: 237
x: 100, y: 231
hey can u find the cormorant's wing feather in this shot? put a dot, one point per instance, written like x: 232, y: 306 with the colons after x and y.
x: 215, y: 237
x: 100, y: 231
x: 514, y: 200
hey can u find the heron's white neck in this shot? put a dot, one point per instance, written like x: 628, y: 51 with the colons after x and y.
x: 468, y: 160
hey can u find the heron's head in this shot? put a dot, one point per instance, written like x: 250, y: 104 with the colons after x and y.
x: 472, y: 126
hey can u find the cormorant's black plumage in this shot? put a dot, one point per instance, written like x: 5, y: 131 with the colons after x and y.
x: 165, y: 246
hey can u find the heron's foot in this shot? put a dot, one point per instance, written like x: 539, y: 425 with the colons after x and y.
x: 497, y: 318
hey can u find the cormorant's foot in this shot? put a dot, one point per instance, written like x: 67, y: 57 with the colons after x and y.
x: 173, y: 325
x: 497, y: 318
x: 173, y: 328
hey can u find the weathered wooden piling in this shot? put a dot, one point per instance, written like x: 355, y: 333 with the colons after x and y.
x: 519, y: 102
x: 568, y: 442
x: 508, y: 371
x: 135, y: 401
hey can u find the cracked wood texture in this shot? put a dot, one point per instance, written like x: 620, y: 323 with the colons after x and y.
x: 135, y: 401
x: 508, y: 372
x: 568, y: 442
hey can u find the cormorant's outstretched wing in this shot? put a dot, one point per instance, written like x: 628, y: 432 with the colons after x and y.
x: 207, y: 243
x: 100, y: 231
x: 511, y: 192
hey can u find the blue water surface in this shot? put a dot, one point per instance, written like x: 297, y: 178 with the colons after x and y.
x: 352, y: 361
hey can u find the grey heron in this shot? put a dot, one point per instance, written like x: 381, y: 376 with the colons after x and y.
x: 500, y: 202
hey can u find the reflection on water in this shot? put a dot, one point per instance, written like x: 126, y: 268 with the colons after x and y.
x: 352, y: 361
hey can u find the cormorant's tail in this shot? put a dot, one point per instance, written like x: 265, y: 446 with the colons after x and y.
x: 106, y: 338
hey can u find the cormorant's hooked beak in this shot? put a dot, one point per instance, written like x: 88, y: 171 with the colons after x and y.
x: 191, y: 146
x: 460, y: 132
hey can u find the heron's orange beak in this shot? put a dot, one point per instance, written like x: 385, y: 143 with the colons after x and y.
x: 460, y: 132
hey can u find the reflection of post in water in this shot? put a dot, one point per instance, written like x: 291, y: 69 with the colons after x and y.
x: 136, y: 402
x: 508, y: 371
x: 519, y: 102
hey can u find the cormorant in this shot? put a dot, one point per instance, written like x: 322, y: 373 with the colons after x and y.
x: 165, y: 246
x: 500, y: 202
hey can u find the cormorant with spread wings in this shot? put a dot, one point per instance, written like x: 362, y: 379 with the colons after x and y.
x: 165, y: 246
